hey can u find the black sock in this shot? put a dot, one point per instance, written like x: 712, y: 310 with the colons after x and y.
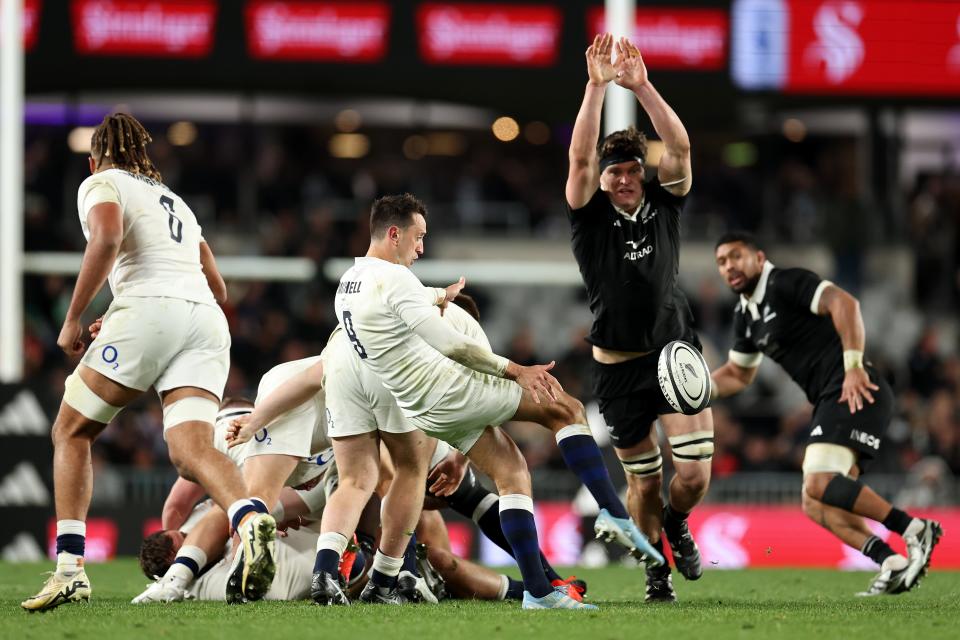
x: 410, y: 557
x: 897, y: 521
x: 876, y: 549
x: 672, y: 519
x: 514, y: 589
x: 658, y: 545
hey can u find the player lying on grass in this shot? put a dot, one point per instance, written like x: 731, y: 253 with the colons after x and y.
x: 449, y: 575
x: 453, y: 388
x: 814, y: 330
x: 307, y: 485
x: 358, y: 404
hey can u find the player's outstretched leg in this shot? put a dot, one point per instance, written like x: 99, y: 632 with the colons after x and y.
x: 567, y: 420
x: 495, y: 454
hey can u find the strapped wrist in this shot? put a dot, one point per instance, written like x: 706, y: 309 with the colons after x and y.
x: 852, y: 359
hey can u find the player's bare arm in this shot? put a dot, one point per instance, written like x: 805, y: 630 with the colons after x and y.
x: 844, y: 311
x: 450, y: 293
x: 289, y: 395
x: 446, y: 476
x: 730, y: 379
x: 105, y: 222
x: 675, y: 172
x: 209, y: 265
x: 583, y: 177
x: 184, y: 494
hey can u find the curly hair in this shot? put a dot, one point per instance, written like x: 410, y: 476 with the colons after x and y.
x: 122, y: 140
x: 156, y: 554
x: 627, y: 142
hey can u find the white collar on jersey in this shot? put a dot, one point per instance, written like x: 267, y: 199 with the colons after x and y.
x: 753, y: 302
x: 632, y: 217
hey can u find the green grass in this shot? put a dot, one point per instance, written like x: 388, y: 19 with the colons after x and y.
x: 723, y: 604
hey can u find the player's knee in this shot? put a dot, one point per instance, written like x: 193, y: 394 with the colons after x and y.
x: 811, y: 506
x: 695, y: 477
x: 647, y: 487
x: 814, y: 485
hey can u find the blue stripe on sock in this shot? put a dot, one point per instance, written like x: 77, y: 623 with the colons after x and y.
x: 71, y: 543
x: 241, y: 512
x: 189, y: 563
x: 382, y: 579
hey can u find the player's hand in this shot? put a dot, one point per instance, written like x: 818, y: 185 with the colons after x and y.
x: 631, y: 71
x: 69, y: 338
x: 447, y: 475
x: 95, y: 327
x: 452, y: 292
x: 600, y: 67
x: 240, y: 430
x: 856, y: 387
x: 538, y: 381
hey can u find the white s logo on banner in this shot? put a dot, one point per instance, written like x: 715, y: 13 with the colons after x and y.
x: 839, y: 47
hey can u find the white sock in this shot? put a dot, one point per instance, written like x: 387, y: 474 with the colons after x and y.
x: 387, y: 565
x: 333, y: 541
x: 504, y: 585
x: 68, y: 563
x: 179, y: 574
x: 236, y: 506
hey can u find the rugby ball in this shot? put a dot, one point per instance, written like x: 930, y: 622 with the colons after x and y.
x: 684, y: 377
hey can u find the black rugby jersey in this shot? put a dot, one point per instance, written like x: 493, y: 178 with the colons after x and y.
x: 630, y: 269
x: 780, y: 319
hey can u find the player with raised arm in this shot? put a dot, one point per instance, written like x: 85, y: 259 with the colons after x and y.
x: 448, y: 385
x: 626, y: 239
x: 163, y: 329
x: 814, y: 330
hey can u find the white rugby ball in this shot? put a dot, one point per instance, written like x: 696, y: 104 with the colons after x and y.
x: 684, y: 377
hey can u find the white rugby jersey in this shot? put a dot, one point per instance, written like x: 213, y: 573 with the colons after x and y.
x: 160, y: 252
x: 342, y: 357
x: 379, y: 304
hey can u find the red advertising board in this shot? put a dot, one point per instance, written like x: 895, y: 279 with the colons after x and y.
x: 489, y: 34
x: 154, y: 28
x: 848, y: 46
x: 669, y: 38
x: 318, y: 31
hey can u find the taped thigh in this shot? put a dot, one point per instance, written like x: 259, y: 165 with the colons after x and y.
x: 192, y: 409
x: 692, y: 447
x: 79, y: 396
x: 823, y: 457
x: 648, y: 463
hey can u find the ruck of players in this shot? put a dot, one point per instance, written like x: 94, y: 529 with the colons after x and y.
x: 329, y: 483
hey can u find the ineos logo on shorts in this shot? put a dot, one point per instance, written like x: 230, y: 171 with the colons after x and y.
x: 865, y: 438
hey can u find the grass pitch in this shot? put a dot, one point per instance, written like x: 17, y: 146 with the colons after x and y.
x: 723, y: 604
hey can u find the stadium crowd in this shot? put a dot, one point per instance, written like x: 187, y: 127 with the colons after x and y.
x: 294, y: 201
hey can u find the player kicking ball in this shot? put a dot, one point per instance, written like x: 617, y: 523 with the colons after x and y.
x: 814, y: 330
x: 452, y: 388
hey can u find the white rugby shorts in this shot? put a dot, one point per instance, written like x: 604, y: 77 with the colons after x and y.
x: 474, y: 402
x: 162, y: 342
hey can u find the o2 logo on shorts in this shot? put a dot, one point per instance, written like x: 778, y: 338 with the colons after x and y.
x: 263, y: 436
x: 110, y: 354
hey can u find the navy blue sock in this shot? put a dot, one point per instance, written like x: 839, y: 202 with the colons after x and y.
x: 583, y: 457
x: 71, y: 543
x: 382, y: 579
x: 410, y: 557
x: 489, y: 524
x: 514, y: 590
x: 358, y: 566
x: 327, y: 560
x: 521, y: 530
